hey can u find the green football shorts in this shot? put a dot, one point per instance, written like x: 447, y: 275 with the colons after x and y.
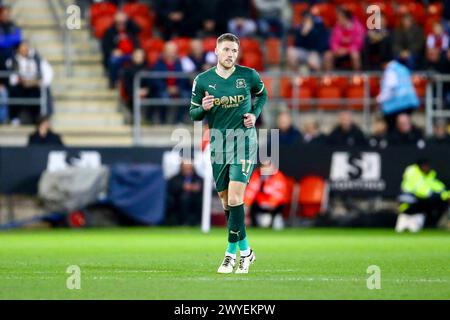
x: 224, y: 173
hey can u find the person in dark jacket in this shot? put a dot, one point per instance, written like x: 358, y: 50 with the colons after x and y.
x: 172, y: 87
x: 288, y: 134
x: 311, y: 41
x: 118, y: 43
x: 312, y: 134
x: 441, y: 136
x: 184, y: 197
x: 405, y: 132
x: 138, y: 64
x: 44, y: 134
x: 10, y: 36
x: 346, y: 133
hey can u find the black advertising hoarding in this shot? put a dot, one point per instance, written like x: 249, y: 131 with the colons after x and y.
x: 363, y: 172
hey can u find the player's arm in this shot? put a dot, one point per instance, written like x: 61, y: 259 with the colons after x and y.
x: 201, y: 102
x: 259, y: 91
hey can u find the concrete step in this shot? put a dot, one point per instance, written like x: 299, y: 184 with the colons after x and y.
x: 91, y: 119
x: 82, y: 71
x: 91, y: 58
x: 80, y: 83
x: 97, y: 109
x: 83, y: 95
x: 90, y: 104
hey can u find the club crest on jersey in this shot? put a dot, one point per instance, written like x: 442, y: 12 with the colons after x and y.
x: 240, y: 83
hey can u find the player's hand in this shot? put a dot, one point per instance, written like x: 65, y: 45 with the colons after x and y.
x: 207, y: 101
x: 249, y: 120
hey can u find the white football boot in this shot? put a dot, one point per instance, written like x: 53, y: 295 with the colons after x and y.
x: 402, y: 222
x: 245, y: 262
x: 227, y: 265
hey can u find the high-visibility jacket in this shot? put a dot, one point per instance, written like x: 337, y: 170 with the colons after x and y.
x: 271, y: 195
x: 422, y: 185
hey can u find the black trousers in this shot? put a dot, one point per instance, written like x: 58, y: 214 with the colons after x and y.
x: 433, y: 207
x: 26, y: 113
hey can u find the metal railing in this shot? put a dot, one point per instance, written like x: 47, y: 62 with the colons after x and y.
x: 296, y: 102
x: 56, y: 6
x: 41, y: 101
x: 435, y: 104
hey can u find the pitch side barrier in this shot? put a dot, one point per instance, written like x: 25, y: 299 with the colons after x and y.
x: 360, y: 172
x: 41, y: 101
x: 276, y: 82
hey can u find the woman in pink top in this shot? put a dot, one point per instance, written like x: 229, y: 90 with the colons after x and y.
x: 346, y: 42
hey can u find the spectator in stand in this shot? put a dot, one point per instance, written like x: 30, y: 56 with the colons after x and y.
x: 44, y: 134
x: 346, y: 133
x: 10, y: 37
x: 29, y: 71
x: 405, y: 133
x: 270, y: 17
x: 312, y: 134
x: 266, y: 192
x: 184, y: 198
x: 240, y: 23
x: 198, y: 60
x: 441, y: 136
x: 118, y: 44
x: 379, y: 132
x: 408, y: 42
x: 289, y: 135
x: 311, y: 41
x: 138, y: 63
x: 346, y: 42
x: 378, y: 44
x: 397, y: 94
x: 444, y: 67
x: 170, y: 88
x: 437, y: 44
x: 171, y: 17
x: 208, y: 14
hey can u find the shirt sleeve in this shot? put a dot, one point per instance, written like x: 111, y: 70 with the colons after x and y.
x: 259, y: 91
x: 196, y: 111
x: 257, y: 84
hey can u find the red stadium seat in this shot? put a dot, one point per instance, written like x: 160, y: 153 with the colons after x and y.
x: 435, y: 10
x: 268, y: 84
x: 102, y: 9
x: 374, y: 83
x: 355, y: 90
x: 136, y: 9
x: 252, y: 59
x: 209, y: 44
x: 312, y: 193
x: 285, y: 89
x: 327, y: 11
x: 152, y: 57
x: 248, y: 44
x: 101, y: 25
x: 183, y: 45
x: 297, y: 9
x: 152, y: 44
x: 429, y: 23
x: 290, y: 183
x: 329, y: 89
x: 306, y: 87
x: 415, y: 9
x: 387, y: 10
x: 273, y: 51
x: 145, y: 24
x: 357, y: 11
x: 420, y: 84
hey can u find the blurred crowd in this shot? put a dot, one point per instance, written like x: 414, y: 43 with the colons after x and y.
x: 24, y: 75
x: 299, y: 36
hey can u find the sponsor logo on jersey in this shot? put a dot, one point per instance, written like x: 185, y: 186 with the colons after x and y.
x: 229, y: 101
x: 240, y: 83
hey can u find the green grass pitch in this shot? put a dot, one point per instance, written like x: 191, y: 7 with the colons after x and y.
x: 181, y: 263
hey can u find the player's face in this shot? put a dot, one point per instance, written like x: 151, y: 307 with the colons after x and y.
x: 227, y: 53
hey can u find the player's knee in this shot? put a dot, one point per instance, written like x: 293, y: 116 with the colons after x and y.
x: 235, y: 200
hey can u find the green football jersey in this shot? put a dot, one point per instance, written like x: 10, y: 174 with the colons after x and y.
x: 232, y: 99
